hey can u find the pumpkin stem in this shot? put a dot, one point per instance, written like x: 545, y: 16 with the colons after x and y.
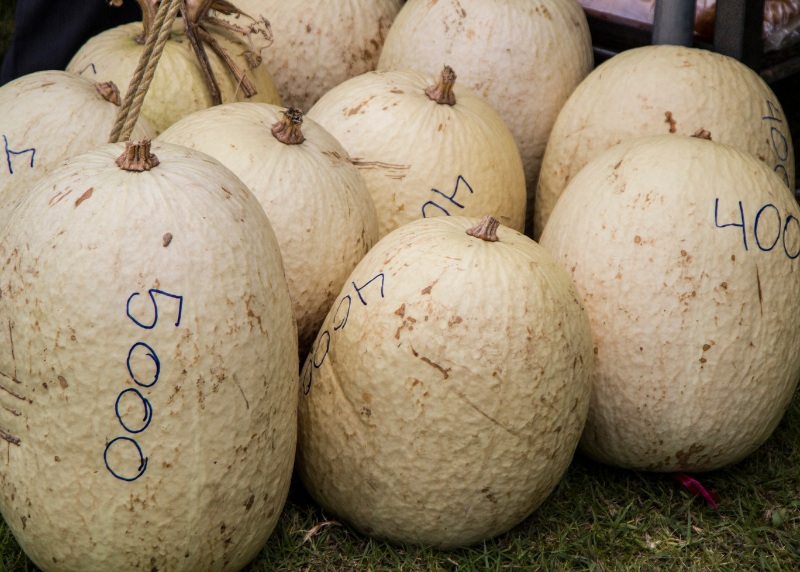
x: 702, y: 134
x: 442, y: 92
x: 109, y: 91
x: 137, y: 157
x: 486, y: 229
x: 149, y: 9
x: 287, y: 130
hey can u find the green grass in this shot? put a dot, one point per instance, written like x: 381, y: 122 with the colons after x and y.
x: 598, y: 518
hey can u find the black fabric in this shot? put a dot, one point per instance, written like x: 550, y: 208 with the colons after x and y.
x: 47, y: 33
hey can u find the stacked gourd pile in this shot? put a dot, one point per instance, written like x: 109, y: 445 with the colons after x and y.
x: 153, y: 297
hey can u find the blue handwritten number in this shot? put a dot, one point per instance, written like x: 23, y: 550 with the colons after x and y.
x: 155, y: 306
x: 772, y: 133
x: 152, y: 354
x: 435, y: 205
x: 142, y: 459
x: 9, y: 152
x: 358, y: 290
x: 307, y: 386
x: 755, y: 227
x: 773, y: 112
x: 327, y: 347
x: 785, y: 228
x: 451, y: 198
x: 347, y: 315
x: 148, y: 411
x: 741, y: 212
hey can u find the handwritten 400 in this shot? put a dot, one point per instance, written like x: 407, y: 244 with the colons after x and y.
x: 148, y: 409
x: 787, y: 225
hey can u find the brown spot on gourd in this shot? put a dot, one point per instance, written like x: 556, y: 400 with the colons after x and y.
x: 249, y: 503
x: 724, y: 285
x: 401, y: 311
x: 706, y: 347
x: 671, y: 121
x: 63, y: 382
x: 86, y: 195
x: 637, y: 240
x: 167, y: 239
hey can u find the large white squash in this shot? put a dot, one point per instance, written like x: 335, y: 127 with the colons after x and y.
x: 178, y: 87
x: 685, y: 252
x: 524, y: 57
x: 658, y: 90
x: 448, y: 387
x: 427, y: 147
x: 149, y: 363
x: 318, y: 44
x: 316, y: 200
x: 46, y: 117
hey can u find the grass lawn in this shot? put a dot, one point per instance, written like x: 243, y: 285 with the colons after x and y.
x: 598, y: 518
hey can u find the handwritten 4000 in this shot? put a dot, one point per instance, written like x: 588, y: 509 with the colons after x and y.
x: 148, y: 409
x: 339, y: 322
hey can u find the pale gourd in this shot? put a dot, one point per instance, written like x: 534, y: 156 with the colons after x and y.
x: 448, y: 386
x: 318, y: 44
x: 149, y: 366
x: 661, y: 90
x: 318, y: 203
x: 427, y: 147
x: 46, y: 117
x: 178, y: 87
x: 685, y: 252
x: 525, y: 58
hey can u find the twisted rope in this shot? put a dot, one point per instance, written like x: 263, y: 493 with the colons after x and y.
x: 154, y: 46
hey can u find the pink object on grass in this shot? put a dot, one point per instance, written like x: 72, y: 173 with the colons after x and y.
x: 695, y: 487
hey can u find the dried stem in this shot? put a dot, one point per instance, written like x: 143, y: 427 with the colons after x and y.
x: 287, y: 130
x: 486, y: 229
x: 109, y: 91
x: 442, y: 92
x: 149, y: 9
x: 247, y: 87
x: 137, y: 157
x: 702, y: 134
x: 202, y: 57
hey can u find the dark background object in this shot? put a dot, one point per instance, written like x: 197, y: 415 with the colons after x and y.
x: 673, y: 22
x: 47, y: 33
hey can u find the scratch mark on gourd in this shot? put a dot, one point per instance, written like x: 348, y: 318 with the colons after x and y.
x: 13, y: 359
x: 445, y: 372
x: 10, y: 438
x: 758, y: 280
x: 247, y: 403
x: 489, y: 417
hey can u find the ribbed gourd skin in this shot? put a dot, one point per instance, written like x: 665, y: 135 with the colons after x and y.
x: 685, y: 253
x: 168, y: 283
x: 448, y: 386
x: 178, y: 87
x: 525, y: 58
x: 46, y: 117
x: 657, y: 90
x: 319, y: 44
x: 421, y: 158
x: 318, y: 204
